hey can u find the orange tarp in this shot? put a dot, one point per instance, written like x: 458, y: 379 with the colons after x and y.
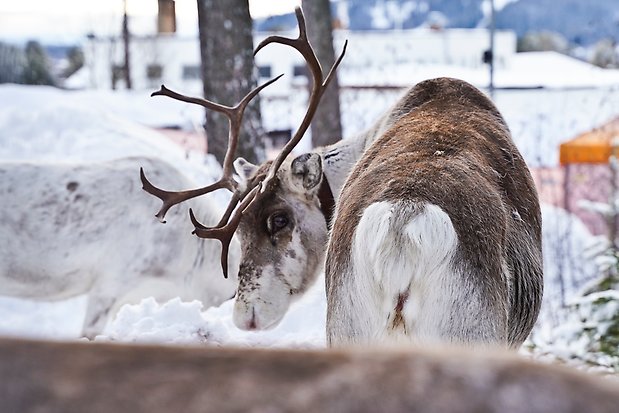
x: 594, y: 146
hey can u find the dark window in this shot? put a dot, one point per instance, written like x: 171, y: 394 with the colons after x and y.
x: 192, y: 72
x: 118, y: 71
x: 264, y: 71
x: 279, y: 138
x: 154, y: 71
x: 300, y: 70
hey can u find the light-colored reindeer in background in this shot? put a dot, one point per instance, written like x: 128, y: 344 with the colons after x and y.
x: 437, y: 232
x: 69, y: 229
x: 101, y: 378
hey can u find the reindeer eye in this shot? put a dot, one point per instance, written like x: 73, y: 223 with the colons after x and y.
x: 277, y: 222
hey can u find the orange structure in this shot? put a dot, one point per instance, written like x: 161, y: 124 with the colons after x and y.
x: 588, y: 177
x: 594, y: 147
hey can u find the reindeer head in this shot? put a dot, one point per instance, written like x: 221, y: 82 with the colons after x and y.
x: 282, y: 230
x: 283, y: 240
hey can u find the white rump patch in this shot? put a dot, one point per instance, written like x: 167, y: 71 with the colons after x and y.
x: 403, y: 277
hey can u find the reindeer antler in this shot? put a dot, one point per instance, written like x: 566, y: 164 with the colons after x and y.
x: 228, y: 224
x: 235, y: 116
x: 303, y: 46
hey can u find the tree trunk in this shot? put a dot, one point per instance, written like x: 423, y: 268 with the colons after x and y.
x: 226, y: 50
x: 127, y: 48
x: 326, y: 126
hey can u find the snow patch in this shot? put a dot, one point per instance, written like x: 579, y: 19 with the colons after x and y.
x: 178, y: 322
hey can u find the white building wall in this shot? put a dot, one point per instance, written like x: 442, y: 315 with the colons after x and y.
x: 173, y: 54
x: 459, y: 47
x: 453, y: 47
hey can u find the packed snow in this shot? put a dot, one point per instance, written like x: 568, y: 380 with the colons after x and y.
x: 39, y: 123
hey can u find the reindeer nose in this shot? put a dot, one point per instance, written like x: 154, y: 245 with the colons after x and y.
x: 251, y: 324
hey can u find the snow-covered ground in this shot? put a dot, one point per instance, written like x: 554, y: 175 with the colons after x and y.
x: 38, y: 123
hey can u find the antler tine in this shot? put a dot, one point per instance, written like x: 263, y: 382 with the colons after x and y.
x: 317, y: 91
x: 235, y: 124
x: 302, y: 45
x: 171, y: 198
x: 164, y: 91
x: 235, y: 116
x: 224, y: 233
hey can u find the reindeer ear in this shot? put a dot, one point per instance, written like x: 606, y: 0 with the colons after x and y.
x: 307, y: 169
x: 244, y: 170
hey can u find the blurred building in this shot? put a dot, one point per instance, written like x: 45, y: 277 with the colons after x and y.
x: 165, y: 57
x: 590, y: 162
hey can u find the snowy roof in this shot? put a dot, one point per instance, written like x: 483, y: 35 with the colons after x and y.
x: 553, y: 70
x: 523, y: 71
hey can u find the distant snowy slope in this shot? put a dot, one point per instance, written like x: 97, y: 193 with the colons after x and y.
x: 48, y: 123
x: 44, y: 123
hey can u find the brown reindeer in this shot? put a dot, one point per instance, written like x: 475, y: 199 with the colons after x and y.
x: 447, y: 244
x: 436, y: 235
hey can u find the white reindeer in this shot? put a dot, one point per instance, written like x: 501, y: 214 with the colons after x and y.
x: 69, y: 229
x: 437, y: 232
x: 103, y: 377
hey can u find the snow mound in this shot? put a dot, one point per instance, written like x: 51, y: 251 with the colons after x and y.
x: 178, y: 322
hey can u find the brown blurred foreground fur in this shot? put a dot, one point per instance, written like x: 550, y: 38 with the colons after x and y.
x: 92, y: 377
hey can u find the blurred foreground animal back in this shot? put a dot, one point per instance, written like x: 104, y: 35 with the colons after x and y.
x: 93, y: 377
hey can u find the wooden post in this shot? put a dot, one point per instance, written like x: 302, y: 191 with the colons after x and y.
x: 127, y: 67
